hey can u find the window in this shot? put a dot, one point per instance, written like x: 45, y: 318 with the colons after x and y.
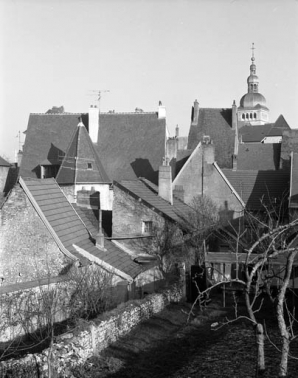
x: 89, y: 165
x: 48, y: 171
x: 147, y: 227
x: 243, y: 116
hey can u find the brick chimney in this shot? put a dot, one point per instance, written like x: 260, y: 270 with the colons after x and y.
x: 93, y: 122
x: 165, y: 189
x: 195, y: 113
x: 161, y: 111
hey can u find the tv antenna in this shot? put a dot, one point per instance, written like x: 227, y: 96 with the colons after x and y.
x: 98, y: 93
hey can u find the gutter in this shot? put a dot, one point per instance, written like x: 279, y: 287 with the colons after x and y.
x: 229, y: 184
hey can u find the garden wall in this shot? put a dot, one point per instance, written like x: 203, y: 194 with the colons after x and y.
x: 74, y: 348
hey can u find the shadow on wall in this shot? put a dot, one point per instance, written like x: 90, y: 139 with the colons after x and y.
x: 276, y: 155
x: 11, y: 179
x: 227, y: 115
x: 143, y: 168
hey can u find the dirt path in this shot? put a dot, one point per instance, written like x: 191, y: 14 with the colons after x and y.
x: 165, y: 347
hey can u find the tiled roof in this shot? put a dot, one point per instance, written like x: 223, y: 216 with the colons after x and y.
x: 294, y: 181
x: 217, y: 123
x: 68, y: 228
x: 131, y: 145
x: 254, y: 186
x: 258, y: 156
x: 81, y: 163
x: 282, y: 123
x: 4, y: 163
x: 91, y: 225
x: 251, y: 134
x: 148, y: 193
x: 47, y: 137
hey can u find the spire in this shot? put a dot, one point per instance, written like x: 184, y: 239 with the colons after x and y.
x: 253, y: 80
x: 81, y: 163
x: 253, y: 66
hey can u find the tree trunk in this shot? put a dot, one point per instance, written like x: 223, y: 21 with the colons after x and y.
x: 259, y: 332
x: 283, y: 329
x: 260, y: 343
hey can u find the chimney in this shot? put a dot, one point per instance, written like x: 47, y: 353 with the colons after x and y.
x: 161, y: 111
x: 165, y: 182
x: 234, y: 157
x: 93, y: 122
x: 208, y: 150
x: 195, y: 114
x: 19, y: 157
x: 234, y: 116
x: 100, y: 235
x: 177, y: 131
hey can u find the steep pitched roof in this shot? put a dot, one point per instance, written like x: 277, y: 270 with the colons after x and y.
x: 81, y: 163
x: 258, y: 156
x: 70, y: 232
x: 294, y: 181
x: 131, y: 145
x: 257, y: 186
x: 148, y: 193
x: 4, y: 163
x: 217, y: 123
x: 281, y: 123
x: 47, y: 137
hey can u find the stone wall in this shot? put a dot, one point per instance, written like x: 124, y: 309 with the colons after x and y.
x: 74, y: 348
x: 128, y: 215
x: 27, y: 249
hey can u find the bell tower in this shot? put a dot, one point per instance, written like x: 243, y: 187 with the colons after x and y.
x: 253, y: 110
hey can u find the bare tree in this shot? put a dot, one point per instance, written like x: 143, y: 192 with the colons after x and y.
x: 271, y: 252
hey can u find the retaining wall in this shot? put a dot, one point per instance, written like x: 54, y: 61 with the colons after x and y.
x: 74, y: 348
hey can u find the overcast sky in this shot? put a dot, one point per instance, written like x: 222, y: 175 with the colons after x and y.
x: 52, y: 52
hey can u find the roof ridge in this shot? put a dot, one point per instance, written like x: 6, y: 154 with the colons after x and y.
x: 59, y: 114
x: 119, y: 113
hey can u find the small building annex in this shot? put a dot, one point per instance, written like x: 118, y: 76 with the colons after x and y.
x: 42, y: 235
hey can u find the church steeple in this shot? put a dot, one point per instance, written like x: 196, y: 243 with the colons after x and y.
x: 253, y: 108
x: 253, y: 80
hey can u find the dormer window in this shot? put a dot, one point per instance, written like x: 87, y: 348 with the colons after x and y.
x: 89, y: 165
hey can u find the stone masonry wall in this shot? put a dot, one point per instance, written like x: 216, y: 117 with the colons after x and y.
x: 128, y: 215
x: 27, y: 249
x: 73, y: 349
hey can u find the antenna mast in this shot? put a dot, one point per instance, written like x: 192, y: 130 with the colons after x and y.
x: 98, y: 93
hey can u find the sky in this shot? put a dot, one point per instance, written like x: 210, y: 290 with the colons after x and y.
x: 140, y: 52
